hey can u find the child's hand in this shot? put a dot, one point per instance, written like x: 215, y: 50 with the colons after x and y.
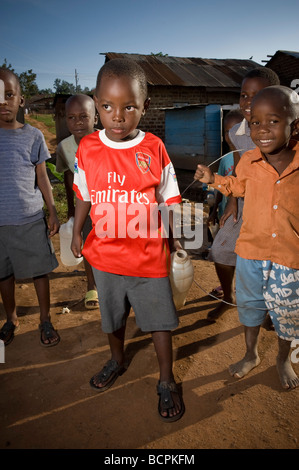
x: 53, y: 225
x: 204, y: 174
x: 175, y: 245
x: 231, y: 208
x: 76, y: 245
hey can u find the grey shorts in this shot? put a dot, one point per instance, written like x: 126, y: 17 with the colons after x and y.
x: 223, y: 247
x: 150, y: 298
x: 26, y: 250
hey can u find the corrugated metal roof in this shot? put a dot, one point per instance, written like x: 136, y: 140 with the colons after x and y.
x: 293, y: 53
x: 197, y: 72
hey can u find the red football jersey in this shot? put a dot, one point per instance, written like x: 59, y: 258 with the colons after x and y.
x: 126, y: 182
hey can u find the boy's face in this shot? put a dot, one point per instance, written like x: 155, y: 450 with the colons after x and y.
x: 13, y: 100
x: 121, y: 105
x: 270, y: 124
x: 250, y: 87
x: 80, y: 118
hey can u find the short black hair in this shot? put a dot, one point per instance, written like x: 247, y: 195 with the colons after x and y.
x: 289, y: 97
x: 235, y: 113
x: 265, y: 73
x: 124, y: 67
x: 80, y: 97
x: 5, y: 70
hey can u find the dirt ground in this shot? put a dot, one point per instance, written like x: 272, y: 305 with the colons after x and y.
x: 46, y: 401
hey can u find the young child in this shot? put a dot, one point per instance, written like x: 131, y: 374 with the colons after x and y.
x: 267, y: 270
x: 80, y: 118
x: 225, y: 168
x: 26, y: 251
x: 222, y: 252
x: 226, y: 165
x: 120, y: 171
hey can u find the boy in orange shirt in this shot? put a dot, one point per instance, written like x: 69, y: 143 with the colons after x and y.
x: 267, y: 271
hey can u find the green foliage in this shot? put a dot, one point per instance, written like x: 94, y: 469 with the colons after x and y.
x: 55, y: 173
x: 58, y: 190
x: 27, y: 80
x: 159, y: 54
x: 28, y: 84
x: 5, y: 65
x: 61, y: 86
x: 57, y: 183
x: 30, y: 88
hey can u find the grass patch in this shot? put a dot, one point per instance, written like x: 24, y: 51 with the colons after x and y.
x: 56, y: 179
x: 59, y: 195
x: 47, y: 119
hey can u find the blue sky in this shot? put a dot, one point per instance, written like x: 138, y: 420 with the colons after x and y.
x: 56, y: 37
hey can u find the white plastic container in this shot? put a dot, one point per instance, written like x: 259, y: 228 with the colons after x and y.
x: 181, y: 277
x: 66, y: 234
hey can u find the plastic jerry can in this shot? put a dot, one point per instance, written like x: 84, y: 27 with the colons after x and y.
x: 181, y: 277
x: 65, y: 235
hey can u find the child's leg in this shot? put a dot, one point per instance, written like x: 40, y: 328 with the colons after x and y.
x: 115, y: 367
x: 116, y: 342
x: 284, y: 315
x: 285, y: 370
x: 91, y: 285
x: 252, y: 311
x: 163, y: 346
x: 226, y: 276
x: 7, y: 290
x: 251, y: 358
x: 91, y: 302
x: 42, y: 288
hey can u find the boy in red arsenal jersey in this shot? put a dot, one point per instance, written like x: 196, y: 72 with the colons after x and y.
x: 267, y: 271
x: 122, y: 175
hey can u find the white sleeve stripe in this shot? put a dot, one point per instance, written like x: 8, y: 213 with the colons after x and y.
x: 80, y: 182
x: 168, y: 187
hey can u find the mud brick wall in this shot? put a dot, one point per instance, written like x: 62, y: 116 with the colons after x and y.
x: 164, y: 97
x: 286, y: 66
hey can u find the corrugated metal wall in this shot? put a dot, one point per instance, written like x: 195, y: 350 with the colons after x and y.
x: 193, y: 134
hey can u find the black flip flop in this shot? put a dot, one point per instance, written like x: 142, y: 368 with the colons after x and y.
x: 110, y: 372
x: 164, y: 390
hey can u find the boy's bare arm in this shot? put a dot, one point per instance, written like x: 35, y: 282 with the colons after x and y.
x: 227, y: 185
x: 44, y: 185
x: 81, y: 213
x: 232, y: 204
x: 174, y: 243
x: 68, y: 183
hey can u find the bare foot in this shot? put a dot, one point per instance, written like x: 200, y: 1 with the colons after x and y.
x: 218, y: 311
x: 287, y: 376
x: 241, y: 368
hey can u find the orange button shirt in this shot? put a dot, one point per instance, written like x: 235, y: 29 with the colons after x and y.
x: 270, y: 228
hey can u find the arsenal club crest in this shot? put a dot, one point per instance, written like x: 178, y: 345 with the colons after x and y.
x: 143, y: 161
